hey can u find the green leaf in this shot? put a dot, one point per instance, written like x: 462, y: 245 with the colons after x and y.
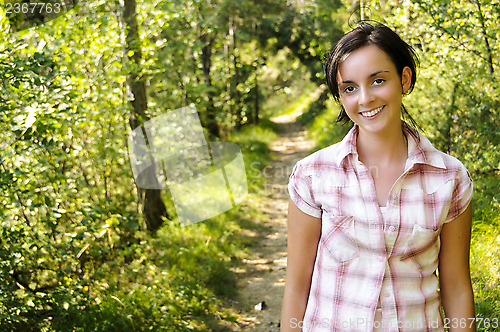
x: 48, y: 201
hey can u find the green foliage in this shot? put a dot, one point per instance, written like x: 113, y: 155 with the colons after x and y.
x: 307, y: 30
x: 325, y: 130
x: 74, y: 255
x: 485, y: 252
x: 254, y: 142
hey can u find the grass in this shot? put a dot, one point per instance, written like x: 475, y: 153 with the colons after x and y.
x: 324, y: 130
x: 289, y: 101
x: 303, y: 103
x: 180, y: 279
x: 254, y: 142
x: 485, y: 248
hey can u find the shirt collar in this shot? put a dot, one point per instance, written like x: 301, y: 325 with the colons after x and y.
x: 419, y: 152
x: 423, y: 152
x: 347, y: 146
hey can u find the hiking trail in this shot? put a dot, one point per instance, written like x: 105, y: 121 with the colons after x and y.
x: 261, y: 280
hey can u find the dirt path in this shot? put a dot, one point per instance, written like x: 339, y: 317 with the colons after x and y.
x: 262, y: 281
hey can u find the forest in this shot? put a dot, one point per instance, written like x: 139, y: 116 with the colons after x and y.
x: 84, y: 247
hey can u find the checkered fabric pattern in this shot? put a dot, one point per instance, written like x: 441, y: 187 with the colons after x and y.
x: 360, y: 258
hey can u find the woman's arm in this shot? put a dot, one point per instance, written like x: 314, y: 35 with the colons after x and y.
x: 303, y: 237
x: 454, y: 273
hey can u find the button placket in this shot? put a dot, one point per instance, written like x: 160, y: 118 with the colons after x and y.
x: 393, y: 218
x: 388, y: 302
x: 391, y: 232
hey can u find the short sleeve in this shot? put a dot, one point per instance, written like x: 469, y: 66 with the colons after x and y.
x: 462, y: 194
x: 301, y: 191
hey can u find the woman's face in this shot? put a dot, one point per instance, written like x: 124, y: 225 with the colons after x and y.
x: 371, y: 89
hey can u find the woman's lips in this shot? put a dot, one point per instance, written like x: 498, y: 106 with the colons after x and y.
x: 372, y: 113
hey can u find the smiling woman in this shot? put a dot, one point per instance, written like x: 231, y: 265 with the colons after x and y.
x: 373, y: 217
x: 400, y: 54
x: 371, y: 90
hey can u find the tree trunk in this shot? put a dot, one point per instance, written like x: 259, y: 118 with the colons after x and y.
x: 154, y: 209
x: 485, y: 36
x: 236, y: 97
x: 208, y: 119
x: 256, y: 98
x: 449, y: 118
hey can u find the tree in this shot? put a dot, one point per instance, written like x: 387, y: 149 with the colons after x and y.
x: 154, y: 207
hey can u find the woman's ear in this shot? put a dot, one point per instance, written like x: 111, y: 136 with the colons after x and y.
x: 406, y: 79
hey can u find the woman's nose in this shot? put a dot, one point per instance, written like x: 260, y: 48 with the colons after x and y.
x: 365, y: 97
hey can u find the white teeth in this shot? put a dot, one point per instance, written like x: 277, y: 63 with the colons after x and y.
x: 372, y: 113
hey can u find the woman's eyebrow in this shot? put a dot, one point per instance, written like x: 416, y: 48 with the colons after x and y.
x: 378, y: 72
x: 347, y: 82
x: 371, y: 75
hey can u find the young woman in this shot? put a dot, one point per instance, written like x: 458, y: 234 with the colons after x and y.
x: 378, y: 224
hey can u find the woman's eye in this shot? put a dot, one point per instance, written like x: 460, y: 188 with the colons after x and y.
x: 378, y: 81
x: 349, y: 89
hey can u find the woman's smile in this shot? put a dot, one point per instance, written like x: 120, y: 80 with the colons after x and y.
x: 371, y: 114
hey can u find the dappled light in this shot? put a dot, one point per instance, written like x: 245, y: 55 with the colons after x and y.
x: 119, y: 213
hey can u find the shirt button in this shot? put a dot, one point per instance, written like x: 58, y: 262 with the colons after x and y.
x: 386, y: 294
x: 392, y: 229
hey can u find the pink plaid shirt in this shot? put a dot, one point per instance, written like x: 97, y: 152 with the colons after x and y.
x: 360, y: 258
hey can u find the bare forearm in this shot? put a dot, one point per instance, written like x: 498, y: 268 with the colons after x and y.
x: 303, y: 237
x: 459, y: 309
x: 293, y: 308
x: 454, y: 273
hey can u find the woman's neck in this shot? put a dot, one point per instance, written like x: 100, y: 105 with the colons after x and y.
x: 382, y: 149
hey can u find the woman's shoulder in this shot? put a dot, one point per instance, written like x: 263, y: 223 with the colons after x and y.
x: 438, y: 158
x: 332, y: 155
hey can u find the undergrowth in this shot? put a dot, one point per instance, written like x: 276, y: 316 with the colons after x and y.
x: 126, y: 279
